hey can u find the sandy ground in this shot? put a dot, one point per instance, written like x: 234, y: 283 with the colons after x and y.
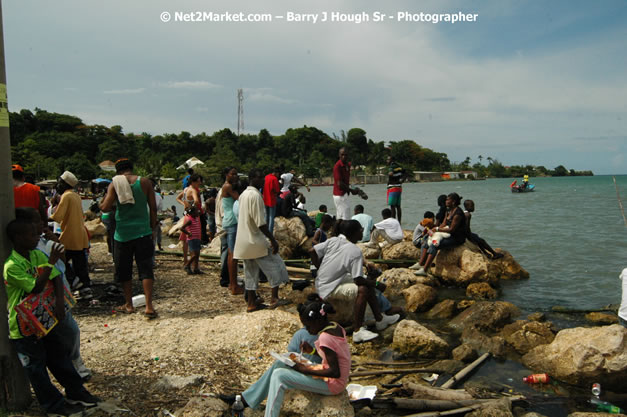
x: 201, y: 330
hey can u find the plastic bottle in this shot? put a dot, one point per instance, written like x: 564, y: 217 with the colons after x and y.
x: 605, y: 407
x: 237, y: 409
x: 596, y: 389
x: 537, y: 379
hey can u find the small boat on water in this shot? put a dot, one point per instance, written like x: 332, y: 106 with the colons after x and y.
x: 522, y: 188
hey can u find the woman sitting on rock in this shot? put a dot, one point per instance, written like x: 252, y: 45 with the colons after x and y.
x: 454, y: 224
x: 328, y: 378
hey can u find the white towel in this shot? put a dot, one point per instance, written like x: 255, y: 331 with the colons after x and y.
x: 123, y: 190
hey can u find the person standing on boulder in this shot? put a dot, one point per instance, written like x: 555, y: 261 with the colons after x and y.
x: 252, y: 247
x: 341, y: 186
x: 135, y: 217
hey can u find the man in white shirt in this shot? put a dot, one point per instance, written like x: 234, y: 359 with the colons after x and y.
x: 252, y: 247
x: 365, y: 220
x: 340, y: 266
x: 389, y: 229
x: 288, y: 178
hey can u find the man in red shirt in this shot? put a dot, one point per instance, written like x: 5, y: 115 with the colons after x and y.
x: 271, y: 189
x: 341, y: 186
x: 27, y: 195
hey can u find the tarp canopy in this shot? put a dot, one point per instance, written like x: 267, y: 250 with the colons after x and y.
x: 190, y: 163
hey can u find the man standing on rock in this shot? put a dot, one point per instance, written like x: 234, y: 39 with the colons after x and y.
x: 69, y: 214
x: 341, y: 186
x: 135, y: 217
x: 340, y: 266
x: 252, y: 247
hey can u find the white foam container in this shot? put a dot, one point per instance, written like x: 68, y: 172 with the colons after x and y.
x: 359, y: 392
x: 139, y: 300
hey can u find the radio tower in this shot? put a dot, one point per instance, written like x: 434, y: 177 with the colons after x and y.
x: 240, y: 111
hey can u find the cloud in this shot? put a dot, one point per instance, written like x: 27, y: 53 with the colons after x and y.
x: 265, y: 95
x: 126, y: 91
x: 191, y: 85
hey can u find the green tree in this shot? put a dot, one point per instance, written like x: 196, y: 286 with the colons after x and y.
x: 560, y: 171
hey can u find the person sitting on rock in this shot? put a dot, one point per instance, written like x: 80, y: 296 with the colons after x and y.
x: 340, y: 266
x: 455, y: 224
x: 365, y: 220
x: 486, y: 249
x: 289, y: 208
x: 389, y: 229
x: 327, y: 378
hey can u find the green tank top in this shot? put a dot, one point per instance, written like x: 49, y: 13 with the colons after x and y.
x: 133, y: 220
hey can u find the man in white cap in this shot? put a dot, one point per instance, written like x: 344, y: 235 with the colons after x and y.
x: 69, y: 214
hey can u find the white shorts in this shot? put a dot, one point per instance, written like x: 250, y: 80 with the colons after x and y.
x: 342, y: 207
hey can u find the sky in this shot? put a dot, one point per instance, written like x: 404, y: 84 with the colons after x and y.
x: 528, y: 82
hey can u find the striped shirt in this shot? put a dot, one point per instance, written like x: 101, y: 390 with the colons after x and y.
x: 194, y: 228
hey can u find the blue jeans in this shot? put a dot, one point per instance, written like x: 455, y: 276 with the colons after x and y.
x: 275, y: 381
x: 224, y: 267
x: 270, y: 215
x: 50, y: 352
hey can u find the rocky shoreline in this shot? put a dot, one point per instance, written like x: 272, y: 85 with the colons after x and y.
x: 448, y: 332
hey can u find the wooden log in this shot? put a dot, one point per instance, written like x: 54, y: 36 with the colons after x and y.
x: 462, y: 374
x: 393, y: 372
x: 428, y: 392
x: 298, y: 270
x: 392, y: 364
x: 460, y: 410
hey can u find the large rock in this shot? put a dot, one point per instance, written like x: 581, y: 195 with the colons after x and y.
x: 398, y: 279
x: 491, y: 315
x: 464, y: 353
x: 601, y: 318
x: 412, y: 338
x: 584, y: 355
x: 213, y: 248
x: 401, y: 250
x: 465, y: 264
x: 369, y: 253
x: 175, y: 230
x: 166, y: 225
x: 290, y: 233
x: 443, y: 310
x: 307, y: 404
x: 204, y: 407
x: 420, y: 297
x: 525, y: 335
x: 95, y: 228
x: 481, y: 291
x: 477, y: 339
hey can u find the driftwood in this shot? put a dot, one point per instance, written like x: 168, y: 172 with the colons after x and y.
x: 462, y: 374
x: 461, y: 410
x: 428, y: 392
x: 393, y: 364
x: 393, y: 371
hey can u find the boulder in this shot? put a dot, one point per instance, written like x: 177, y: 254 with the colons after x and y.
x: 398, y: 279
x: 464, y: 304
x: 213, y: 248
x: 582, y: 356
x: 290, y: 233
x: 420, y: 297
x: 166, y: 225
x: 481, y: 291
x: 474, y: 337
x: 412, y: 338
x: 491, y: 315
x: 464, y: 353
x: 525, y: 335
x: 401, y: 250
x: 536, y: 316
x: 204, y: 407
x: 443, y: 310
x: 601, y: 318
x: 95, y: 228
x: 369, y: 253
x: 175, y: 230
x: 307, y: 404
x: 465, y: 264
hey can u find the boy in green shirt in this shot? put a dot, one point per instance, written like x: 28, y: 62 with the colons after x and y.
x: 27, y: 271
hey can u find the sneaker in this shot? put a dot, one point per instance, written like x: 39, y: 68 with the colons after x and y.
x: 416, y: 266
x: 76, y: 283
x: 86, y: 399
x: 421, y: 272
x: 82, y: 370
x: 364, y: 335
x: 67, y: 410
x: 387, y: 320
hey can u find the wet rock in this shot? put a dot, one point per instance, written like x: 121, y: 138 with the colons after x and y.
x: 465, y: 264
x: 536, y: 317
x: 500, y: 408
x: 443, y: 310
x: 401, y: 250
x: 95, y: 228
x: 290, y: 233
x: 369, y: 253
x: 464, y: 304
x: 449, y: 366
x: 525, y: 335
x: 481, y: 291
x: 490, y: 315
x: 601, y: 318
x: 398, y: 279
x: 420, y: 297
x: 480, y: 341
x: 169, y: 382
x: 203, y: 407
x: 412, y: 338
x: 464, y: 353
x: 582, y: 356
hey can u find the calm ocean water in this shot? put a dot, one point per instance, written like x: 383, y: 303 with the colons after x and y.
x: 569, y: 234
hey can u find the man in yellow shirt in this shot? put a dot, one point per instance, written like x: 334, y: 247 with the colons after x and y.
x: 69, y: 213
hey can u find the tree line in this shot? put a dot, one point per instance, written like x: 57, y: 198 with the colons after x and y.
x: 47, y: 143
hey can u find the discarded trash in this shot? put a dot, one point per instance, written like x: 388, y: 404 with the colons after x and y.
x: 94, y: 302
x: 596, y: 389
x: 359, y: 392
x: 431, y: 378
x: 237, y: 409
x: 139, y: 300
x: 106, y: 325
x: 172, y: 246
x: 537, y: 379
x: 605, y: 407
x: 156, y: 358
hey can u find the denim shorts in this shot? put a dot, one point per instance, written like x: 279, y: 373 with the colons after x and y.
x: 231, y: 233
x: 193, y: 245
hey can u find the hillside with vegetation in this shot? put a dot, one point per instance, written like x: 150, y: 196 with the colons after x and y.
x: 46, y: 144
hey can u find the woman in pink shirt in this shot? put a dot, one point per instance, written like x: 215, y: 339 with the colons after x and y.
x: 328, y: 378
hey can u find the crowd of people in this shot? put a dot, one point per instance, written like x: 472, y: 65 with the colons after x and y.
x: 50, y: 248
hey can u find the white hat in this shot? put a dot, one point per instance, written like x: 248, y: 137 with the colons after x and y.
x: 69, y: 178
